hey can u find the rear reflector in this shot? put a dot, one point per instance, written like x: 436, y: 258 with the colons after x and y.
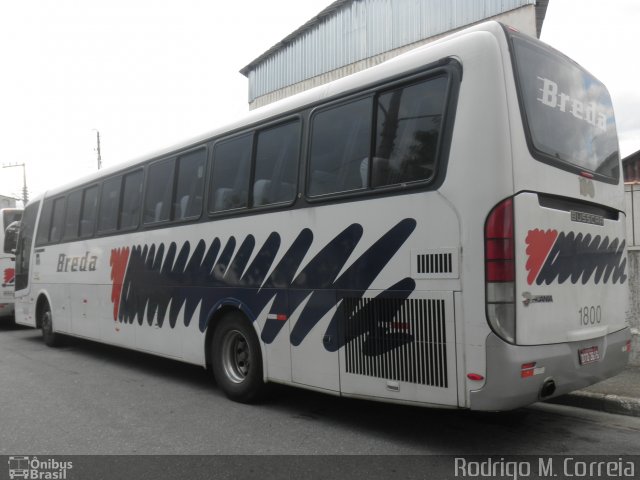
x: 527, y: 369
x: 476, y: 377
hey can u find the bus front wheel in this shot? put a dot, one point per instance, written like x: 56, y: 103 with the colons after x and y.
x: 237, y: 360
x: 50, y: 337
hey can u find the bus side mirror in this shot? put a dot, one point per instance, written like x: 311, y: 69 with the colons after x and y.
x: 11, y: 238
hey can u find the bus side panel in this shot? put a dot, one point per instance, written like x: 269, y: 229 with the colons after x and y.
x: 277, y: 354
x: 397, y: 332
x: 311, y: 363
x: 479, y: 175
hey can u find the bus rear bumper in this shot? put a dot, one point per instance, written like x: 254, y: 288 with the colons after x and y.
x: 557, y: 369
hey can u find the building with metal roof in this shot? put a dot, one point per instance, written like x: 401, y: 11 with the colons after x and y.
x: 351, y: 35
x: 7, y: 202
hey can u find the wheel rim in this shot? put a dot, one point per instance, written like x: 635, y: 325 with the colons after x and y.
x: 236, y: 356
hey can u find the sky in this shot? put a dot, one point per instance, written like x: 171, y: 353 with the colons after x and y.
x: 147, y: 75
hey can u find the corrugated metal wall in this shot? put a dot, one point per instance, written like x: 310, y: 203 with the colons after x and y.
x: 363, y: 29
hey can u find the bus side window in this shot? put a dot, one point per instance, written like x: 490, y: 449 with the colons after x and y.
x: 276, y: 164
x: 230, y: 174
x: 131, y: 201
x: 157, y: 202
x: 88, y: 215
x: 109, y: 200
x: 340, y: 142
x: 408, y: 128
x: 57, y: 221
x: 190, y: 185
x: 44, y: 225
x: 72, y: 217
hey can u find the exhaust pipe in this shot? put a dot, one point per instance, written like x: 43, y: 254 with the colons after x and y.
x: 548, y: 388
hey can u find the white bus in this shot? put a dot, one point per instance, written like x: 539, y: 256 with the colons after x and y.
x: 7, y: 263
x: 443, y: 229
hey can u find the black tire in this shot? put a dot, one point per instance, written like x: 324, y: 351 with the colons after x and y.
x: 50, y: 337
x: 10, y: 321
x: 236, y: 359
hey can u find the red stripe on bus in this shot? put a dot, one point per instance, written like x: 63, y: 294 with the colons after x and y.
x: 539, y: 245
x: 118, y: 262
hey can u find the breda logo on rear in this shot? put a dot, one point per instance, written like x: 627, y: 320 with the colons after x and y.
x: 554, y: 256
x: 552, y: 97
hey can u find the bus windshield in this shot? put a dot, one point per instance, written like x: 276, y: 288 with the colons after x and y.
x: 568, y: 112
x: 9, y: 216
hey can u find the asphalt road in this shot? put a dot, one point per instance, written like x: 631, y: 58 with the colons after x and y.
x: 87, y: 398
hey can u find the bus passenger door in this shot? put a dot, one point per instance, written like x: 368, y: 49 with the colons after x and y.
x: 51, y: 280
x: 312, y: 332
x: 25, y: 303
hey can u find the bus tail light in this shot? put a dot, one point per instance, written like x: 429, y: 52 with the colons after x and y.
x: 500, y: 270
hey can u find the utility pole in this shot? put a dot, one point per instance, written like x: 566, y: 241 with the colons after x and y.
x: 25, y: 192
x: 98, y: 149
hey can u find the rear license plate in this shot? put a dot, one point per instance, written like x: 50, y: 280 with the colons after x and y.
x: 588, y: 355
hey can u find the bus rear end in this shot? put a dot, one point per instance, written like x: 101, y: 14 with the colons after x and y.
x: 555, y: 255
x: 7, y: 262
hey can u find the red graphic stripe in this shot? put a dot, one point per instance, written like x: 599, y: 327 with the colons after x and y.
x: 539, y: 244
x: 118, y: 262
x: 9, y: 274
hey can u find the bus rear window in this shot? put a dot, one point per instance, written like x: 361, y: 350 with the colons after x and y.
x: 568, y: 112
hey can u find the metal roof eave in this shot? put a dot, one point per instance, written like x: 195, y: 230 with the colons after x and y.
x: 541, y: 10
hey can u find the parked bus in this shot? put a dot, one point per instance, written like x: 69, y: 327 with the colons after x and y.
x: 444, y: 229
x: 7, y: 263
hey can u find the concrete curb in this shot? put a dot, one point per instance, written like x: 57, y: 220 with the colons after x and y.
x: 600, y: 401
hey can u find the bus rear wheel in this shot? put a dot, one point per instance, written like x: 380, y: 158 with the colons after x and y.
x: 50, y: 337
x: 236, y: 359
